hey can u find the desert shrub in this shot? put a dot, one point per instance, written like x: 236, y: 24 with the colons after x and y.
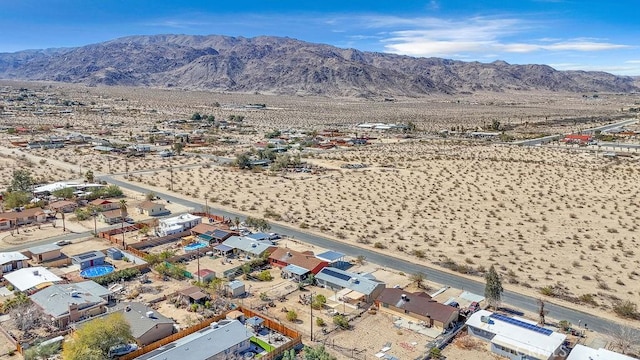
x: 626, y: 309
x: 292, y: 315
x: 341, y: 321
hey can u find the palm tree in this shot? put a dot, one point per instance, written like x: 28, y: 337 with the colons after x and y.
x: 123, y: 216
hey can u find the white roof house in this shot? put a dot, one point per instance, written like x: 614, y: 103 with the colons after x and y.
x: 512, y: 336
x: 226, y: 339
x: 29, y: 278
x: 581, y: 352
x: 7, y: 257
x: 178, y: 224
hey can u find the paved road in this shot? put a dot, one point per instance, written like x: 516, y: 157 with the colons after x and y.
x: 550, y: 138
x: 513, y: 299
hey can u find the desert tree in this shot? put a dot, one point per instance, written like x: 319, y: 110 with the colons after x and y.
x: 418, y: 280
x: 493, y: 288
x: 97, y: 337
x: 624, y: 338
x: 21, y: 180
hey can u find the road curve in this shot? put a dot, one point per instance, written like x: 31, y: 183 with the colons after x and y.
x: 510, y: 298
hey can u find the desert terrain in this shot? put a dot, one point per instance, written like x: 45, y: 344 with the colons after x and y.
x: 558, y: 222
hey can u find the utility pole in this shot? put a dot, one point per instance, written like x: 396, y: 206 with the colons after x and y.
x: 95, y: 226
x: 311, y: 307
x: 171, y: 173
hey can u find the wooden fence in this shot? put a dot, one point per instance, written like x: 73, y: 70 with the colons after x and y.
x: 157, y: 241
x: 271, y: 324
x: 216, y: 218
x: 172, y: 338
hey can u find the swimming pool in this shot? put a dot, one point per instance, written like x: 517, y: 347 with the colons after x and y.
x: 194, y: 246
x: 96, y: 271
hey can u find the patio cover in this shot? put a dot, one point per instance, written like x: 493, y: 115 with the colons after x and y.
x: 255, y: 321
x: 355, y: 295
x: 296, y: 270
x: 223, y: 248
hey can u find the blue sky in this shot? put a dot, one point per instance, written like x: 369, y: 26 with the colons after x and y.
x: 566, y: 34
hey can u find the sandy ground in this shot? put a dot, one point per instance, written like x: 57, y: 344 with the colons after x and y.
x: 545, y: 218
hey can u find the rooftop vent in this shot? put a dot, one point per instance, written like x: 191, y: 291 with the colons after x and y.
x: 150, y: 314
x: 404, y: 297
x: 74, y: 294
x: 36, y: 272
x: 214, y: 325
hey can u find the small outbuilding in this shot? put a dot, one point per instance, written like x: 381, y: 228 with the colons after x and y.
x: 235, y: 288
x: 151, y: 208
x: 88, y: 259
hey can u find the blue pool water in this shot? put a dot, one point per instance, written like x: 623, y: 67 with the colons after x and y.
x: 194, y: 246
x: 96, y: 271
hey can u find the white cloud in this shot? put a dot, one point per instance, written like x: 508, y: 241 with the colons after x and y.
x: 429, y: 36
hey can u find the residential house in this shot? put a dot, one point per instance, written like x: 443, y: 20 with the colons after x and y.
x: 147, y: 325
x: 68, y: 303
x: 45, y: 252
x: 417, y: 307
x: 178, y: 224
x: 12, y: 219
x: 515, y: 338
x: 31, y: 278
x: 65, y: 206
x: 226, y: 339
x: 247, y: 248
x: 581, y: 352
x: 104, y: 204
x: 12, y: 260
x: 111, y: 216
x: 88, y: 259
x: 297, y: 265
x: 351, y: 287
x: 151, y: 208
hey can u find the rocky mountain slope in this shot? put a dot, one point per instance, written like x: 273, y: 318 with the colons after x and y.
x: 286, y: 66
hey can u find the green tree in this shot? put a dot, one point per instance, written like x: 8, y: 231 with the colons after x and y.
x: 89, y: 176
x: 341, y: 321
x: 317, y: 353
x: 21, y: 181
x: 318, y: 302
x: 242, y: 161
x: 289, y: 355
x: 292, y: 315
x: 94, y: 339
x: 493, y: 288
x: 211, y: 118
x: 111, y: 191
x: 150, y: 196
x: 196, y: 116
x: 15, y: 199
x: 64, y: 193
x: 178, y: 147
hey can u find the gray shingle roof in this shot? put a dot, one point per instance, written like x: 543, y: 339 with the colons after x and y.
x: 55, y: 299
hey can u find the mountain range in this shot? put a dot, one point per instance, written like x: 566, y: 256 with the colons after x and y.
x: 279, y: 65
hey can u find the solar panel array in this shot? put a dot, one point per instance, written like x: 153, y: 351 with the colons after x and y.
x: 336, y: 274
x: 522, y: 324
x: 86, y: 256
x: 219, y: 234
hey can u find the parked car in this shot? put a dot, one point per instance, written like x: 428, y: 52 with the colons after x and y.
x: 123, y: 349
x: 474, y: 306
x: 62, y: 242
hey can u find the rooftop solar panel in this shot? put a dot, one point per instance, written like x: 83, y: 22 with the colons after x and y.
x: 336, y: 274
x: 86, y: 256
x: 522, y: 324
